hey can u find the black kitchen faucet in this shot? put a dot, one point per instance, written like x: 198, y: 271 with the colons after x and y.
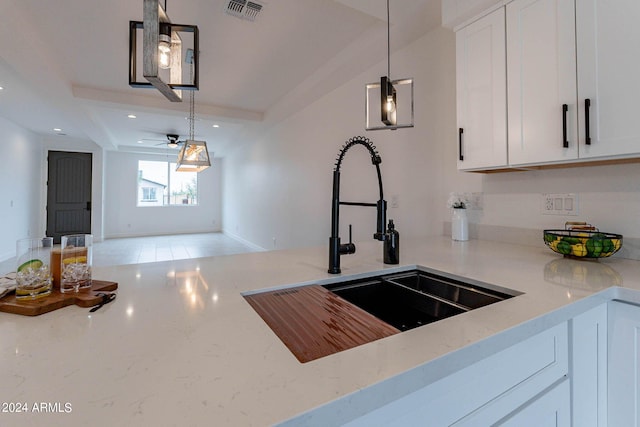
x: 336, y: 249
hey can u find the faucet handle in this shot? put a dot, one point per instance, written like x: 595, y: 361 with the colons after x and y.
x: 348, y: 248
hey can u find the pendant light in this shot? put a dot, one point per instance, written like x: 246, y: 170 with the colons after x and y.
x: 194, y: 155
x: 163, y: 45
x: 385, y: 108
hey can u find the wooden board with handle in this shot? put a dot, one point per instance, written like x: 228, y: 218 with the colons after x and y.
x: 85, y: 298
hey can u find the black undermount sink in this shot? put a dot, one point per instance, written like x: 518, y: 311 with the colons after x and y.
x: 411, y: 299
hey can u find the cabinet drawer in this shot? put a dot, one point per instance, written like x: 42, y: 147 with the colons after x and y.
x: 501, y: 382
x: 549, y: 409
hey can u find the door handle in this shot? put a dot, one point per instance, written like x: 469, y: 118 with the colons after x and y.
x: 565, y: 141
x: 587, y: 106
x: 460, y: 155
x: 88, y: 206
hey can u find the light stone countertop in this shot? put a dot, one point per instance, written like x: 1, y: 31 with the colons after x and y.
x: 180, y: 345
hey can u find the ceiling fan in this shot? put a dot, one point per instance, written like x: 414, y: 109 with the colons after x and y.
x: 173, y: 140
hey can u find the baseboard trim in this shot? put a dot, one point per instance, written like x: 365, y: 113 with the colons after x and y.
x: 127, y: 235
x: 243, y: 241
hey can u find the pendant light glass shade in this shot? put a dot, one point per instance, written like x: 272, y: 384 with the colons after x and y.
x: 388, y: 102
x: 164, y: 47
x: 193, y: 157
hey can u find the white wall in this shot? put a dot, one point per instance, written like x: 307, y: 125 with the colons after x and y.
x: 608, y: 197
x: 20, y: 178
x: 123, y: 218
x: 277, y: 184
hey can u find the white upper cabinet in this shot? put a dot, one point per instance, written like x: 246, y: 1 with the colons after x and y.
x: 572, y: 81
x: 541, y: 81
x: 481, y: 93
x: 608, y: 40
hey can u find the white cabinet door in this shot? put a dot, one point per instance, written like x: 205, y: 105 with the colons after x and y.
x: 485, y: 391
x: 608, y: 36
x: 551, y: 409
x: 481, y: 93
x: 624, y: 364
x: 589, y: 367
x: 541, y: 79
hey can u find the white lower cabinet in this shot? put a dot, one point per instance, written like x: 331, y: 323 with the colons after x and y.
x: 589, y: 367
x: 584, y: 372
x: 624, y: 364
x: 491, y: 390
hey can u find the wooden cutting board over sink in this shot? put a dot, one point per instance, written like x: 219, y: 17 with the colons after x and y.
x: 314, y: 322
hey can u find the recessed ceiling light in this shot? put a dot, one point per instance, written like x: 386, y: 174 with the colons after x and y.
x: 132, y: 116
x: 1, y: 88
x: 216, y: 126
x: 140, y: 142
x: 57, y: 130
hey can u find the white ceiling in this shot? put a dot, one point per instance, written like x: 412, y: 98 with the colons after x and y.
x: 64, y: 64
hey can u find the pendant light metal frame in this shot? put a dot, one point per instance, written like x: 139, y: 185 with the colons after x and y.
x: 154, y: 15
x: 194, y: 155
x: 384, y: 91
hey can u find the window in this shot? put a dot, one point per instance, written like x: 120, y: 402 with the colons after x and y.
x: 148, y: 194
x: 160, y: 185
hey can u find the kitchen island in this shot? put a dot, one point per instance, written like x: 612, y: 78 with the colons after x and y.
x: 181, y: 346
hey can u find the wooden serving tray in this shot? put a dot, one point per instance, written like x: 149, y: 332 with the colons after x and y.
x: 314, y: 322
x: 85, y: 298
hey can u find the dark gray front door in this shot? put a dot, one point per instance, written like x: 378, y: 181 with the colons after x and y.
x: 68, y: 194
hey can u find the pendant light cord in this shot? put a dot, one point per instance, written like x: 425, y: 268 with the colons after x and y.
x: 192, y: 108
x: 388, y: 44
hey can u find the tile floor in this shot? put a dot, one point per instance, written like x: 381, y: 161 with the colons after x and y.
x: 137, y: 250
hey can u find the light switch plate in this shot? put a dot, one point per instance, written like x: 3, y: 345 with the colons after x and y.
x: 559, y: 204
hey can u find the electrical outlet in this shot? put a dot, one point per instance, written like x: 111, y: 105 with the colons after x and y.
x: 560, y: 204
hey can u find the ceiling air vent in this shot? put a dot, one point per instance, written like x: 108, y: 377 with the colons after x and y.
x: 243, y: 9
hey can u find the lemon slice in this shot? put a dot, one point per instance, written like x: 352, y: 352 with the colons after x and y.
x: 75, y: 260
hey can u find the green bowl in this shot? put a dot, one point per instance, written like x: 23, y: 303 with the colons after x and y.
x: 582, y: 243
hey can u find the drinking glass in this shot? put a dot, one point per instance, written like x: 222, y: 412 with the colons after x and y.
x: 33, y: 275
x: 75, y: 262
